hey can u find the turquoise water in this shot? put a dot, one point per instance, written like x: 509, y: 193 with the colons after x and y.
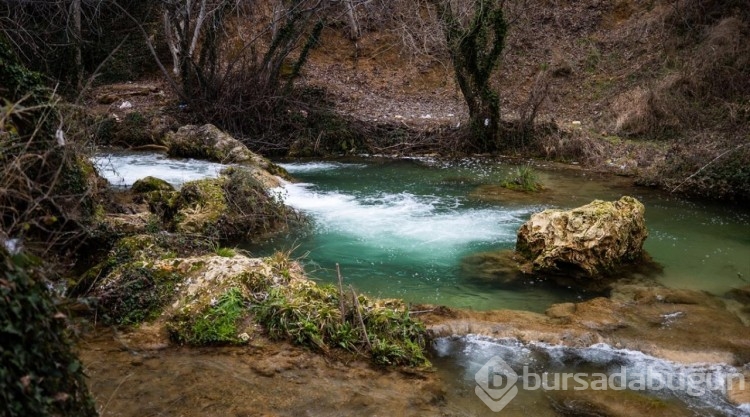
x: 400, y: 228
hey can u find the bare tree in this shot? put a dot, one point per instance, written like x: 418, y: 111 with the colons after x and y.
x: 351, y: 14
x: 184, y: 22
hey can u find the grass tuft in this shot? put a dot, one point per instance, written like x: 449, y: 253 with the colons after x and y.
x: 310, y: 315
x: 523, y: 178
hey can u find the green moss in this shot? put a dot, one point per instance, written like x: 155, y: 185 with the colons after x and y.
x: 164, y: 205
x: 310, y: 315
x: 232, y: 207
x: 217, y: 324
x: 148, y: 184
x: 137, y: 293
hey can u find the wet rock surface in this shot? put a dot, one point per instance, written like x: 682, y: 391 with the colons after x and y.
x: 684, y: 326
x: 207, y: 142
x: 585, y: 242
x: 263, y: 378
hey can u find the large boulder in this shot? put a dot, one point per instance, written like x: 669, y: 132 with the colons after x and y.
x: 234, y: 206
x: 591, y: 241
x: 211, y: 143
x: 207, y: 142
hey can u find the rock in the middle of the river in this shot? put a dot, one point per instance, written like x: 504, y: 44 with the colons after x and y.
x: 591, y: 241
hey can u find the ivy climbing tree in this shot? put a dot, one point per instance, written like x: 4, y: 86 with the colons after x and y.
x: 475, y: 37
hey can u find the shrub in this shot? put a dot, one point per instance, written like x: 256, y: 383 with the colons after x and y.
x: 40, y: 375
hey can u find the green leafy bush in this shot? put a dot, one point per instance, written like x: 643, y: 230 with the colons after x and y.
x: 40, y: 375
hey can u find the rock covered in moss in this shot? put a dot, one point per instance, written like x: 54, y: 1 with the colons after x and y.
x: 129, y: 289
x: 194, y: 300
x: 217, y: 300
x: 206, y: 142
x: 234, y: 206
x: 148, y: 184
x: 586, y: 242
x: 211, y: 143
x: 212, y: 305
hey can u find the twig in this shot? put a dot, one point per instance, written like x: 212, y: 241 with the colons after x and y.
x: 341, y: 294
x: 359, y: 315
x: 706, y: 166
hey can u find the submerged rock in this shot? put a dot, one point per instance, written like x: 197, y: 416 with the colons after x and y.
x: 612, y: 403
x: 588, y: 242
x: 683, y: 326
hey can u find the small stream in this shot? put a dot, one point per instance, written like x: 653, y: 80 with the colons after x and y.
x: 401, y: 228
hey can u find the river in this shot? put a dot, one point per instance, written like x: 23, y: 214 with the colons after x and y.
x: 403, y: 228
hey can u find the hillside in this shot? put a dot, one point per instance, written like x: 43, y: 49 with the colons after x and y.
x: 655, y: 90
x: 660, y: 88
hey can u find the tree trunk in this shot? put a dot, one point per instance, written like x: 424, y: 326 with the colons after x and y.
x: 77, y: 34
x: 353, y: 24
x: 475, y: 51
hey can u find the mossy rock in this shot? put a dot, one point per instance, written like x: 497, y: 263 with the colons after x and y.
x: 148, y: 184
x: 587, y: 243
x: 311, y: 315
x: 235, y: 206
x: 139, y: 249
x: 212, y: 308
x: 136, y: 292
x: 207, y: 142
x: 202, y: 204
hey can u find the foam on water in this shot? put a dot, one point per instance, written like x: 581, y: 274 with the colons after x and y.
x: 298, y: 167
x: 123, y: 169
x: 403, y: 219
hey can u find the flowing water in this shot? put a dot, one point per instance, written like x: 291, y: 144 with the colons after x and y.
x: 401, y: 228
x: 123, y: 168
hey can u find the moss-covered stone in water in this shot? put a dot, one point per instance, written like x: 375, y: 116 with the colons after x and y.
x: 207, y: 142
x: 147, y: 184
x: 587, y: 243
x: 164, y: 204
x: 202, y: 204
x: 233, y: 206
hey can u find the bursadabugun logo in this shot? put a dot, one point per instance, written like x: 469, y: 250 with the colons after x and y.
x: 496, y: 384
